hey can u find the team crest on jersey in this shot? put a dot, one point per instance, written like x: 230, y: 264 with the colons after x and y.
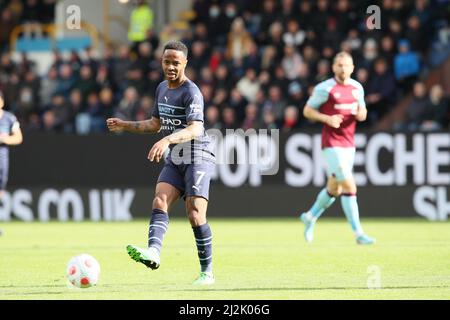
x: 167, y: 99
x: 336, y: 95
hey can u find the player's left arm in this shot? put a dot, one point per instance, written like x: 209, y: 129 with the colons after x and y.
x: 13, y: 139
x: 361, y: 111
x: 192, y: 131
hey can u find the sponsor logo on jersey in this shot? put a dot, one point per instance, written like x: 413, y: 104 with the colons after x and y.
x: 173, y: 122
x: 346, y: 106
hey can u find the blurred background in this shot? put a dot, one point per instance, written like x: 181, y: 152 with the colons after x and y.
x: 66, y: 66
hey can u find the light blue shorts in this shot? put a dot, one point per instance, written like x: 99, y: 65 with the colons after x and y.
x: 339, y: 162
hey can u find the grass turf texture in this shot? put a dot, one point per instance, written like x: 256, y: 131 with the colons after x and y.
x: 253, y: 259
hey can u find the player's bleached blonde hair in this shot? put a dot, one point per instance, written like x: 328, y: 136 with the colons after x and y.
x: 342, y: 54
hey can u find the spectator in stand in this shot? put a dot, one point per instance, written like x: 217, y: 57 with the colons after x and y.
x: 249, y: 85
x: 276, y: 37
x: 66, y: 80
x: 293, y: 36
x: 220, y: 98
x: 388, y: 50
x: 279, y: 78
x: 49, y: 123
x: 292, y: 62
x: 239, y: 42
x: 126, y: 109
x: 59, y: 113
x: 48, y: 86
x: 268, y: 17
x: 229, y: 118
x: 217, y: 26
x: 212, y: 118
x: 222, y: 78
x: 370, y: 53
x: 415, y: 109
x: 12, y: 92
x: 380, y: 93
x: 362, y: 76
x: 145, y: 57
x: 31, y: 18
x: 238, y: 102
x: 288, y: 10
x: 275, y: 102
x: 310, y: 56
x: 253, y: 59
x: 406, y: 66
x: 268, y: 120
x: 135, y: 79
x: 8, y: 24
x: 121, y: 66
x: 323, y: 71
x: 103, y: 78
x: 86, y: 82
x: 106, y: 97
x: 251, y: 120
x: 198, y: 55
x: 48, y: 11
x: 291, y: 119
x: 396, y: 29
x: 96, y: 114
x: 141, y: 20
x: 436, y: 114
x: 75, y: 107
x: 208, y: 93
x: 415, y: 34
x: 295, y: 95
x: 269, y: 58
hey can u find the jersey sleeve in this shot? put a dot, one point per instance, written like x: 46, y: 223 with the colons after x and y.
x: 15, y: 125
x: 360, y: 97
x: 318, y: 97
x: 194, y: 105
x: 155, y: 112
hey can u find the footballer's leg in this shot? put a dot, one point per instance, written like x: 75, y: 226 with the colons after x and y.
x: 198, y: 178
x: 326, y: 196
x: 350, y: 206
x: 324, y: 200
x: 169, y: 188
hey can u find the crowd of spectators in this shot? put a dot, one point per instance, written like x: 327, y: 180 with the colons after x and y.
x: 256, y: 63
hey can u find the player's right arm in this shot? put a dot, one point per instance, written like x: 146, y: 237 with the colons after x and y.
x: 148, y: 126
x: 311, y: 109
x: 312, y: 114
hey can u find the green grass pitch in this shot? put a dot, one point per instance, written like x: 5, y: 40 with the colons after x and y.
x: 255, y: 259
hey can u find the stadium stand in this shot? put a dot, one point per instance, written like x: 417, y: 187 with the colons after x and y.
x: 256, y: 63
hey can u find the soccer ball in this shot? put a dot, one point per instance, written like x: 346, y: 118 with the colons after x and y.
x: 83, y: 271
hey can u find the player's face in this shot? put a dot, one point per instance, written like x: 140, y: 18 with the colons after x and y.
x: 343, y: 68
x: 2, y: 102
x: 173, y: 64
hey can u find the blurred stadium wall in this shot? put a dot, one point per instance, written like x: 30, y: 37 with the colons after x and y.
x: 105, y: 177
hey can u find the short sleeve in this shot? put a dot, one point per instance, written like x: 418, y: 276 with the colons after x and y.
x: 361, y: 101
x: 155, y: 112
x: 358, y: 93
x: 15, y: 125
x: 194, y: 105
x: 318, y: 97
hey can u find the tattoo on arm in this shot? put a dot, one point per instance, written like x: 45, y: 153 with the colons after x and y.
x: 146, y: 126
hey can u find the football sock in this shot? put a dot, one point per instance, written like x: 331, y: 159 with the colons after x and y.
x: 323, y: 201
x: 350, y: 207
x: 158, y: 227
x: 203, y: 239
